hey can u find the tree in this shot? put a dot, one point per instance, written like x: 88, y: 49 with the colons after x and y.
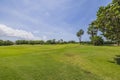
x: 1, y: 42
x: 79, y: 34
x: 19, y: 42
x: 92, y: 30
x: 108, y: 21
x: 51, y: 41
x: 61, y: 41
x: 116, y: 1
x: 7, y: 43
x: 97, y: 40
x: 71, y: 41
x: 41, y: 42
x: 32, y: 42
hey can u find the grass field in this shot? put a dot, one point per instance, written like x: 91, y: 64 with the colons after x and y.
x: 59, y: 62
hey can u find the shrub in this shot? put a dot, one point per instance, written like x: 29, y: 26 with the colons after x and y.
x: 72, y: 41
x: 31, y: 42
x: 7, y: 43
x: 19, y: 42
x: 51, y: 41
x: 97, y: 40
x: 1, y: 42
x: 39, y: 42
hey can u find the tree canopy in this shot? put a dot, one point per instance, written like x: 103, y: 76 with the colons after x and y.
x: 79, y: 34
x: 92, y: 30
x: 108, y: 21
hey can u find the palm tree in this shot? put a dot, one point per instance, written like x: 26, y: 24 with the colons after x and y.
x: 79, y: 34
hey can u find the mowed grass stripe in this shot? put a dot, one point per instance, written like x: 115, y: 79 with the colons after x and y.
x: 58, y: 62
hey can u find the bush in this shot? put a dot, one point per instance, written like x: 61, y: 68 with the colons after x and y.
x: 7, y: 43
x: 19, y: 42
x: 1, y: 42
x: 109, y: 43
x: 72, y: 41
x: 31, y: 42
x: 39, y: 42
x: 51, y: 41
x: 86, y: 42
x: 97, y: 40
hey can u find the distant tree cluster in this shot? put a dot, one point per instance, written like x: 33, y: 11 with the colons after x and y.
x: 34, y: 42
x: 6, y: 43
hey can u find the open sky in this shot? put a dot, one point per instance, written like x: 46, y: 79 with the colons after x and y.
x: 47, y: 19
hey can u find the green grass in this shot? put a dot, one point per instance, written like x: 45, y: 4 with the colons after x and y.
x: 59, y: 62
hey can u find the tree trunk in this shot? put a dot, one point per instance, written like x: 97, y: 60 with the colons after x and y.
x: 80, y: 40
x: 118, y: 43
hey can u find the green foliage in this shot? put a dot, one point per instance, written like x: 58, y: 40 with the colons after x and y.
x: 92, y: 30
x: 1, y: 42
x: 34, y: 42
x: 31, y: 42
x: 6, y: 43
x: 51, y: 41
x: 79, y: 34
x: 86, y: 42
x: 97, y: 40
x: 72, y: 41
x: 18, y: 42
x: 109, y: 43
x: 40, y: 42
x: 116, y: 1
x: 108, y: 21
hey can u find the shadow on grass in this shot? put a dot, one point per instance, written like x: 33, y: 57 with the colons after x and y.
x: 116, y: 60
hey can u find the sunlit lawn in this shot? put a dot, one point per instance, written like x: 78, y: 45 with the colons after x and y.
x: 59, y: 62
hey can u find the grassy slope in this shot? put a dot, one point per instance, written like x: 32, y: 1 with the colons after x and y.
x: 59, y: 62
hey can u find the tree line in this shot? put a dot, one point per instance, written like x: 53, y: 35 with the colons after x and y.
x: 34, y: 42
x: 5, y: 43
x: 107, y: 23
x: 42, y: 42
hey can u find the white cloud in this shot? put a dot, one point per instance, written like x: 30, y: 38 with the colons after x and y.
x: 48, y: 17
x: 10, y: 32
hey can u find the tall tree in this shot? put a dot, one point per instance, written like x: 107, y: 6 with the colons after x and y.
x: 92, y: 30
x: 79, y: 34
x: 108, y: 21
x: 116, y: 1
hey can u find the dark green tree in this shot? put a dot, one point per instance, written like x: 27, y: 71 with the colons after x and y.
x: 108, y: 21
x: 97, y: 40
x: 79, y: 34
x: 1, y: 42
x: 116, y: 1
x: 7, y: 43
x: 92, y: 30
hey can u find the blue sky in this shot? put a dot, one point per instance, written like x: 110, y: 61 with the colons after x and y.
x: 47, y: 19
